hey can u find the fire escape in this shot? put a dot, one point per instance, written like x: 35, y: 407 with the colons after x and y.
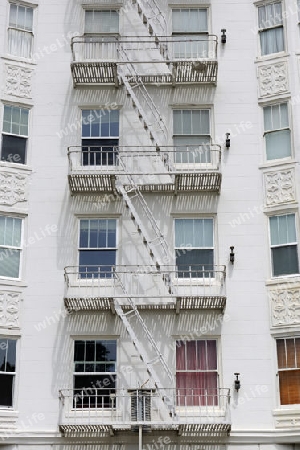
x: 120, y: 62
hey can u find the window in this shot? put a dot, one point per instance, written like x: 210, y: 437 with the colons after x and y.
x: 191, y: 136
x: 20, y: 36
x: 94, y: 373
x: 97, y: 247
x: 10, y: 246
x: 194, y: 247
x: 288, y: 357
x: 277, y: 131
x: 100, y: 137
x: 190, y: 33
x: 14, y: 134
x: 270, y: 25
x: 284, y: 245
x: 101, y: 22
x: 197, y: 373
x: 7, y: 371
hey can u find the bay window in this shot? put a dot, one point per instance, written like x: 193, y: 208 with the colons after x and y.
x: 284, y: 248
x: 288, y: 358
x: 20, y: 30
x: 270, y: 25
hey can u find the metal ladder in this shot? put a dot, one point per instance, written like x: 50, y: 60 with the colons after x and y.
x: 156, y: 23
x: 159, y: 357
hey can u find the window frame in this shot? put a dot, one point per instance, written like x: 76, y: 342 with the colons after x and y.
x: 267, y: 28
x: 211, y: 273
x: 285, y: 406
x: 21, y: 248
x: 20, y: 136
x: 74, y: 373
x: 206, y: 338
x: 13, y: 374
x: 268, y: 132
x: 106, y: 278
x: 30, y: 32
x: 277, y: 214
x: 208, y: 161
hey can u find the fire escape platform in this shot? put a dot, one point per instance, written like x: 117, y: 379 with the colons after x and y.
x: 92, y: 183
x: 181, y: 304
x: 181, y: 72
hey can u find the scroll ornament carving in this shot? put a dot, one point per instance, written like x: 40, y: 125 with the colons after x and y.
x: 18, y: 81
x: 280, y: 187
x: 13, y: 188
x: 273, y: 79
x: 9, y: 309
x: 285, y: 306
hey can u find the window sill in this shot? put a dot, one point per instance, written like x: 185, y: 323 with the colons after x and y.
x: 286, y: 162
x: 287, y: 416
x: 16, y: 166
x: 8, y: 418
x: 11, y: 282
x: 19, y: 59
x: 287, y: 279
x: 271, y: 57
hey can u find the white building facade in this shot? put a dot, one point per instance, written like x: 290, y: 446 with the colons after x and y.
x: 149, y: 225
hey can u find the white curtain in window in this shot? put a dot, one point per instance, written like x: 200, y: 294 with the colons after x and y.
x: 282, y: 229
x: 278, y: 140
x: 276, y: 117
x: 196, y: 233
x: 270, y: 15
x: 189, y: 20
x: 106, y: 21
x: 20, y: 43
x: 191, y: 122
x: 272, y: 41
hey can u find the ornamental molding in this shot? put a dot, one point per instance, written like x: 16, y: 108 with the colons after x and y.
x: 18, y: 81
x: 288, y: 421
x: 285, y: 304
x: 273, y: 79
x: 279, y: 187
x: 13, y: 188
x: 9, y: 309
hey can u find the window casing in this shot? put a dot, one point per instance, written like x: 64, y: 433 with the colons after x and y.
x: 197, y: 373
x: 194, y: 248
x: 94, y: 373
x: 192, y: 136
x: 7, y: 371
x: 100, y: 137
x: 288, y: 358
x: 10, y: 246
x: 270, y: 25
x: 187, y: 24
x: 14, y: 134
x: 277, y: 131
x: 97, y: 247
x: 284, y: 248
x: 20, y: 31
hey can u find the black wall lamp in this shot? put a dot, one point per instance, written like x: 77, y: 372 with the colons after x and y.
x: 231, y: 255
x: 223, y: 36
x: 237, y: 383
x: 227, y: 141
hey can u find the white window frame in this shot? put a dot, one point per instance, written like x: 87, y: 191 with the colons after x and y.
x: 288, y: 406
x: 212, y: 157
x: 14, y: 248
x: 268, y: 132
x: 196, y: 280
x: 284, y: 245
x: 13, y: 374
x: 20, y: 29
x: 272, y: 27
x: 104, y: 279
x: 115, y: 373
x: 15, y: 158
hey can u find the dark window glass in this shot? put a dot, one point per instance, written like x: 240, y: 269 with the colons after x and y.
x: 13, y: 149
x: 285, y: 260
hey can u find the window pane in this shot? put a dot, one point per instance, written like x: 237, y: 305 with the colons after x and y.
x: 86, y: 123
x: 278, y: 144
x: 6, y: 390
x: 3, y: 352
x: 189, y: 20
x: 285, y: 260
x: 10, y: 263
x: 20, y: 43
x: 13, y: 149
x: 101, y: 21
x: 84, y: 233
x: 114, y: 123
x: 291, y: 353
x: 191, y: 355
x: 289, y: 385
x: 272, y: 41
x: 29, y: 19
x: 180, y: 355
x: 201, y: 355
x: 282, y: 229
x: 111, y: 349
x: 21, y: 16
x: 11, y: 356
x: 13, y: 15
x: 297, y: 344
x: 79, y: 350
x: 211, y: 355
x: 90, y: 351
x: 105, y: 258
x: 186, y: 263
x: 281, y: 354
